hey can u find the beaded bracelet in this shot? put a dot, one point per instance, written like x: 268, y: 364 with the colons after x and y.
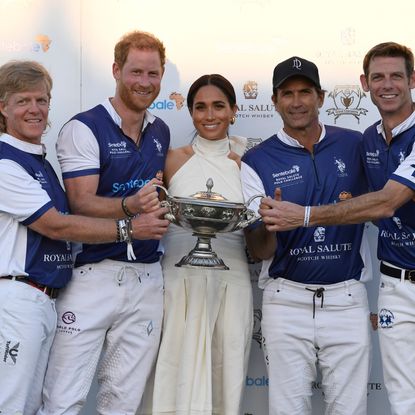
x: 125, y: 208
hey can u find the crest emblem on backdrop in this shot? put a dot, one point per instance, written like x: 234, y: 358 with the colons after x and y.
x: 250, y: 90
x: 347, y: 99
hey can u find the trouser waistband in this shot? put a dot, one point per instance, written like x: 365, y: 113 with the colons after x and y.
x: 395, y: 272
x: 51, y: 292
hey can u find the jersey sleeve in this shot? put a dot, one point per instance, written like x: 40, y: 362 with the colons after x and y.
x: 22, y: 197
x: 251, y: 186
x: 77, y: 150
x: 405, y: 173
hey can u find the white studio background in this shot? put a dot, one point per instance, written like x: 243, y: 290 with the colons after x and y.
x: 243, y: 40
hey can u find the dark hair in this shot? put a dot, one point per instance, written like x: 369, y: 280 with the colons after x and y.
x: 213, y: 79
x: 318, y: 90
x: 390, y: 49
x: 19, y: 76
x: 138, y: 40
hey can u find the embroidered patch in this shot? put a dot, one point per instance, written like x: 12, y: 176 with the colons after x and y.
x: 386, y: 318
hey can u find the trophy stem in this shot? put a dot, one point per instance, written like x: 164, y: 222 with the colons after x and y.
x: 202, y: 255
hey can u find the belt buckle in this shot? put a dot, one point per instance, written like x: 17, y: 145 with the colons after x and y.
x: 54, y: 292
x: 411, y: 276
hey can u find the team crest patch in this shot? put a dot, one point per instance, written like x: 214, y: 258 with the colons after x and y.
x: 386, y: 319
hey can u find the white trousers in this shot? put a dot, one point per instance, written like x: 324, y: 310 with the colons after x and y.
x: 396, y: 311
x: 27, y: 326
x: 304, y: 329
x: 111, y: 307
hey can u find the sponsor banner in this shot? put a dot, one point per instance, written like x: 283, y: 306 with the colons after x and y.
x: 75, y: 39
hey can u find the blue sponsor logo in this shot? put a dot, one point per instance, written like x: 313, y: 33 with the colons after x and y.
x: 257, y: 382
x: 163, y: 104
x: 131, y: 184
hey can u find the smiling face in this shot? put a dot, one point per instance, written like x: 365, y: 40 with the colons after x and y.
x: 138, y: 81
x: 389, y: 86
x: 26, y: 113
x: 298, y: 103
x: 212, y: 113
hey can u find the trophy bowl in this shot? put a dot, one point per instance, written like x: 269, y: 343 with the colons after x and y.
x: 205, y: 214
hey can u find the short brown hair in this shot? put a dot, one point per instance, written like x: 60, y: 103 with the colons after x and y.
x: 19, y: 76
x: 138, y: 40
x: 390, y: 49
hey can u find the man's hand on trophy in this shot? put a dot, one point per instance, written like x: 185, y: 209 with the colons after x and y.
x: 150, y: 225
x: 144, y: 201
x: 278, y: 215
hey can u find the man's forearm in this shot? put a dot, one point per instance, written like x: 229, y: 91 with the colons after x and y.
x: 368, y: 207
x: 261, y: 243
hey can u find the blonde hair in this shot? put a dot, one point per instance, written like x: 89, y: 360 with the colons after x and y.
x: 19, y: 76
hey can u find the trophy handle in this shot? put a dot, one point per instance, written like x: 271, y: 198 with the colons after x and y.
x: 251, y: 216
x: 163, y: 188
x: 252, y: 198
x: 167, y: 203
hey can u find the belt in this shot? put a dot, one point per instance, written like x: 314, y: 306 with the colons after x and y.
x: 51, y: 292
x: 409, y: 274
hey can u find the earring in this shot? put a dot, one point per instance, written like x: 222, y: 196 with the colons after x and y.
x: 233, y: 119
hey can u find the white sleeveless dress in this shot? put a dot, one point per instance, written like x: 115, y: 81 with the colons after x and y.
x: 207, y: 326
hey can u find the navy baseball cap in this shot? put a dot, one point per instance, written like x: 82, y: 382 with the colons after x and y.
x: 295, y: 66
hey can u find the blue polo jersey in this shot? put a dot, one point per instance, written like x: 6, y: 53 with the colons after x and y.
x: 46, y: 261
x: 396, y: 240
x: 332, y: 173
x: 124, y: 169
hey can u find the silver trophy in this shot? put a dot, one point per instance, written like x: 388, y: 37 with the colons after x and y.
x: 207, y: 213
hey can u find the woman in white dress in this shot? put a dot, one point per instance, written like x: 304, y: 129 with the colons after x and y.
x: 207, y: 327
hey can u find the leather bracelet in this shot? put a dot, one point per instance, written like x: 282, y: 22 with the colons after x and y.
x: 125, y: 234
x: 123, y: 230
x: 129, y: 230
x: 125, y: 208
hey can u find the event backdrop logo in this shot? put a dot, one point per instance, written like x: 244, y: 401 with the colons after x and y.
x: 252, y: 142
x: 250, y: 90
x: 175, y: 101
x: 348, y: 36
x: 41, y: 43
x: 178, y: 99
x: 346, y: 99
x: 254, y: 108
x: 44, y: 41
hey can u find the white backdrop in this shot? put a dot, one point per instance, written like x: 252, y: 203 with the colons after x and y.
x: 243, y: 40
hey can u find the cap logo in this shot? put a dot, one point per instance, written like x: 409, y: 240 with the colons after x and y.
x: 297, y: 64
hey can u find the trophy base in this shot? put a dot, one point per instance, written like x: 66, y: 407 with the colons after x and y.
x: 202, y: 256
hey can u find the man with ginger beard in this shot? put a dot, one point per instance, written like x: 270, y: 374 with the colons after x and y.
x: 107, y: 154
